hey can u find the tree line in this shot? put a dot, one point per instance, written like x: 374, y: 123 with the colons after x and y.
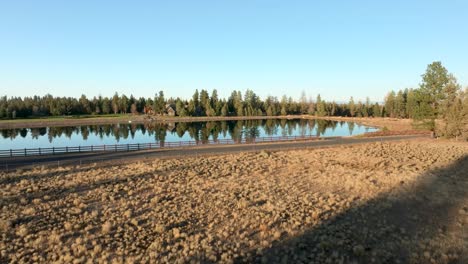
x: 439, y: 97
x: 438, y: 104
x: 200, y: 104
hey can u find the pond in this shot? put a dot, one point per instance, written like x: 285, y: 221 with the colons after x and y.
x: 70, y: 136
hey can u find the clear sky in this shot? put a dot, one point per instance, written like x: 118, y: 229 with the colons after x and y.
x: 336, y: 48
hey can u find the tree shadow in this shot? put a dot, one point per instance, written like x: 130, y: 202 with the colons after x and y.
x: 423, y: 224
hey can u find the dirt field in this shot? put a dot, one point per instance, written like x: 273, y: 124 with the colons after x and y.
x: 392, y: 124
x: 375, y: 203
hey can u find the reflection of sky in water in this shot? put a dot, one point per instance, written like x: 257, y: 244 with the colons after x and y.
x: 290, y: 128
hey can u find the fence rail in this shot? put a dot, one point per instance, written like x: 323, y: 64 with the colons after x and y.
x: 140, y: 146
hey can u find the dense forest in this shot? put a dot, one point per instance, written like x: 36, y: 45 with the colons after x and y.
x: 438, y: 97
x: 200, y: 104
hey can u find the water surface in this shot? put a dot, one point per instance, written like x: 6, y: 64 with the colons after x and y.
x: 201, y: 132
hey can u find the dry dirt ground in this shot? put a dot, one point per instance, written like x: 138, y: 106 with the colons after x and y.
x: 401, y: 202
x: 392, y: 124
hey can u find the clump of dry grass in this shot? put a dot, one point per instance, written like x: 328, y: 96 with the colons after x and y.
x: 22, y: 231
x: 29, y: 211
x: 5, y: 225
x: 68, y: 226
x: 107, y: 227
x: 128, y: 213
x: 54, y: 238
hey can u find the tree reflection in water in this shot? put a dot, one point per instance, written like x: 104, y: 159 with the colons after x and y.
x: 247, y: 130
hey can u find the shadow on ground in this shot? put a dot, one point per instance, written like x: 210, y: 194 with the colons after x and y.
x: 423, y: 224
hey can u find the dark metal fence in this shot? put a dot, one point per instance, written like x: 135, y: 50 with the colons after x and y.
x: 140, y: 146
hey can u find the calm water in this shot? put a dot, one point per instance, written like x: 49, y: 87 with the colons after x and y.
x: 172, y: 132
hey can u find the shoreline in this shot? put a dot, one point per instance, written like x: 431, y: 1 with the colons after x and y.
x: 390, y: 123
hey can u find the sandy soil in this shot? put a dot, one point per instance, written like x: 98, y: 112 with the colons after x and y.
x: 375, y: 203
x: 391, y: 124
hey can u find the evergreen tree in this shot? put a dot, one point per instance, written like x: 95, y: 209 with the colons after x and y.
x: 321, y: 108
x: 224, y: 110
x: 399, y: 107
x: 180, y: 108
x: 195, y: 99
x: 376, y: 110
x: 115, y: 103
x: 464, y: 99
x: 106, y: 106
x: 367, y: 111
x: 283, y: 110
x: 85, y: 105
x: 390, y: 104
x: 411, y: 103
x: 352, y: 107
x: 204, y: 101
x: 303, y: 103
x: 123, y: 104
x: 433, y: 85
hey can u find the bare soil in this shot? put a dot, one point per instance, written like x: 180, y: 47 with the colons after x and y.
x: 390, y: 124
x: 401, y: 202
x: 397, y: 133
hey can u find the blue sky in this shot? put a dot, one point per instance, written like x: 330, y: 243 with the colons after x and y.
x: 336, y: 48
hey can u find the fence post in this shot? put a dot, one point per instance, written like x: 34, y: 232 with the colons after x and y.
x: 39, y: 151
x: 128, y: 147
x: 66, y: 149
x: 115, y: 147
x: 79, y: 148
x: 104, y: 147
x: 138, y: 145
x: 92, y: 148
x: 25, y: 152
x: 11, y: 153
x: 53, y: 150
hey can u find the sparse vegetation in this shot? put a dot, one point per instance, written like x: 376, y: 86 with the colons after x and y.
x: 384, y: 202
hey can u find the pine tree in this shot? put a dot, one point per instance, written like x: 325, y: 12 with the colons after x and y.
x: 390, y: 104
x: 399, y: 105
x: 180, y: 108
x: 352, y: 107
x: 321, y: 107
x: 411, y: 103
x: 115, y: 103
x: 224, y: 110
x: 303, y: 103
x: 464, y: 99
x: 433, y: 83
